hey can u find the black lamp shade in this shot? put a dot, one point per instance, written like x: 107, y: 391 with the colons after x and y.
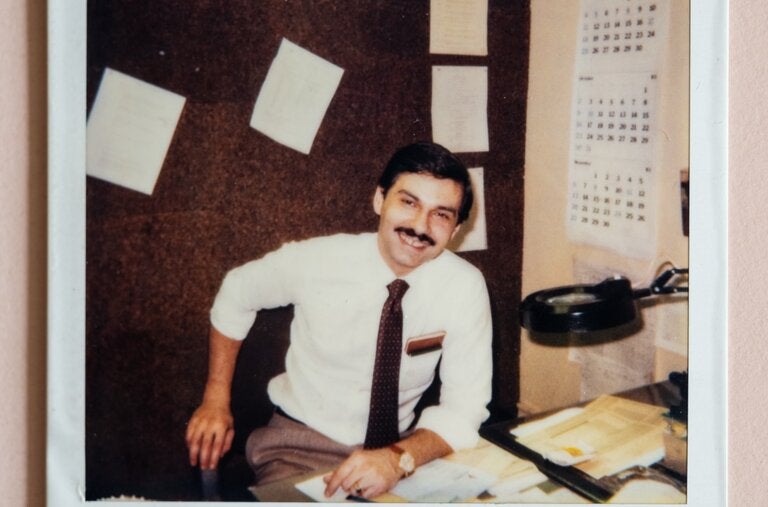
x: 580, y: 308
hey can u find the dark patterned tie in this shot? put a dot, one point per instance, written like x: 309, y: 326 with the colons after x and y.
x: 383, y: 417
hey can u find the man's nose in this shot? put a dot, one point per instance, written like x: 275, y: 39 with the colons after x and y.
x: 420, y: 222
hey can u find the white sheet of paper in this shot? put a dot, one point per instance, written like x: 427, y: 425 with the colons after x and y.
x: 315, y: 489
x: 295, y: 96
x: 460, y: 107
x: 444, y: 481
x: 472, y: 235
x: 129, y: 130
x: 458, y: 27
x: 515, y: 484
x: 532, y: 427
x: 642, y: 491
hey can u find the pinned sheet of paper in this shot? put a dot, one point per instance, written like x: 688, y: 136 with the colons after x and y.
x: 295, y: 97
x: 129, y: 130
x: 460, y: 107
x: 472, y: 235
x: 458, y: 27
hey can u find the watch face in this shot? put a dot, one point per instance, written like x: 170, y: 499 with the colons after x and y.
x: 407, y: 462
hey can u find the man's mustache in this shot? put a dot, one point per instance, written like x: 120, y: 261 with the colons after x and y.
x: 421, y: 237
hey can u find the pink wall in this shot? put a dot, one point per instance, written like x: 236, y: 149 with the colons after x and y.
x: 22, y: 251
x: 748, y: 242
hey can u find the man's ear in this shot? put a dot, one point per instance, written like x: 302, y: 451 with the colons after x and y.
x: 455, y: 231
x: 378, y: 200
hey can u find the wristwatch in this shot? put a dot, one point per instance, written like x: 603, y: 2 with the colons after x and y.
x: 407, y: 464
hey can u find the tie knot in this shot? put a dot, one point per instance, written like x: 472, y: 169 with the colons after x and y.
x: 397, y: 288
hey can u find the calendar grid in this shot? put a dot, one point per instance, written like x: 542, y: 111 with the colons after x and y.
x: 614, y: 124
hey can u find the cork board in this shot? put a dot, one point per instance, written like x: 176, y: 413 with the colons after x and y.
x: 227, y: 194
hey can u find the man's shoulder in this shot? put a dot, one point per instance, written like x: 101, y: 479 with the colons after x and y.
x: 329, y: 250
x: 339, y: 240
x: 457, y: 266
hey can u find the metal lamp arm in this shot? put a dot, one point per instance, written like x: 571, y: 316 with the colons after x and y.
x: 659, y: 286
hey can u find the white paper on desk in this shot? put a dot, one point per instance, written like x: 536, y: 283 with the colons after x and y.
x: 458, y: 27
x: 472, y: 235
x: 460, y: 107
x: 444, y: 481
x: 295, y: 97
x: 516, y: 483
x: 129, y: 130
x: 315, y: 489
x: 643, y: 491
x: 532, y: 427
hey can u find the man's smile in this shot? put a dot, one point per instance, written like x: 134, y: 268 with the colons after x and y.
x: 413, y: 239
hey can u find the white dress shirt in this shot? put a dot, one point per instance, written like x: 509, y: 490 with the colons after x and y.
x: 337, y: 285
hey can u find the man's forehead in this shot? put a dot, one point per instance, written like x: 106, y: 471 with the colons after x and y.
x: 444, y: 193
x: 407, y: 179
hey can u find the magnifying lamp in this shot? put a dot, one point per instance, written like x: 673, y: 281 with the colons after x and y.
x: 611, y: 303
x: 588, y: 308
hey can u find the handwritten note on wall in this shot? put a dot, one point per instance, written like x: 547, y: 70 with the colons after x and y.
x: 472, y: 235
x: 129, y: 130
x: 458, y: 27
x: 295, y: 96
x: 460, y: 107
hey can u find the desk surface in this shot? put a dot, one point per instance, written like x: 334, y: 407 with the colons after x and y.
x: 662, y: 394
x: 502, y: 459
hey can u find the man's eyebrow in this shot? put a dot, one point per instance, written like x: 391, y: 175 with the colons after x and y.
x: 403, y: 191
x: 448, y: 209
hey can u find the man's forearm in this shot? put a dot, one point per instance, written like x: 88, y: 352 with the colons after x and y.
x: 222, y: 357
x: 425, y: 445
x: 370, y: 473
x: 210, y: 429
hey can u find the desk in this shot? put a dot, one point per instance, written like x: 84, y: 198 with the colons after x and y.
x: 498, y: 453
x: 661, y: 394
x: 485, y: 456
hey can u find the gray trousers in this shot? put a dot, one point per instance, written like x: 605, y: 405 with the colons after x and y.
x: 285, y: 448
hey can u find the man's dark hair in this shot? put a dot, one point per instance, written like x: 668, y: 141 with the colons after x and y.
x: 433, y: 159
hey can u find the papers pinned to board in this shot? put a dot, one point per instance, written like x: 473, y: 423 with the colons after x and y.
x: 460, y: 107
x: 295, y: 97
x: 458, y: 27
x: 129, y: 130
x: 473, y: 235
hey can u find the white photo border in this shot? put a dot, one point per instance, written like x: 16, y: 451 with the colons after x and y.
x: 707, y: 474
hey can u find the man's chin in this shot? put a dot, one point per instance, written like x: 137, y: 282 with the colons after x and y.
x: 413, y: 261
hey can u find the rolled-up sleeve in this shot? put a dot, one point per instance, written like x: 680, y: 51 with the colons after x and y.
x: 260, y: 284
x: 465, y: 372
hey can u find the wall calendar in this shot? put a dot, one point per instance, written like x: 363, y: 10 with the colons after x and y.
x: 611, y: 201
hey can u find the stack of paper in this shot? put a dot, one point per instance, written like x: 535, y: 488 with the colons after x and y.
x: 607, y: 436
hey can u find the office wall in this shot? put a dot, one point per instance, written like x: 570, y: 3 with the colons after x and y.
x: 549, y: 378
x: 228, y: 194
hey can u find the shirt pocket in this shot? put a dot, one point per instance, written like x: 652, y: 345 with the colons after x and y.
x: 417, y: 371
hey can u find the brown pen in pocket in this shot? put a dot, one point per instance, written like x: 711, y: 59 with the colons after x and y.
x: 425, y: 343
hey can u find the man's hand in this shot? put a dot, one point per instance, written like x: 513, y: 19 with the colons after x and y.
x: 366, y: 473
x: 209, y: 434
x: 211, y: 428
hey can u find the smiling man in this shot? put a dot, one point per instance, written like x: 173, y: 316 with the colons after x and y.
x: 373, y: 316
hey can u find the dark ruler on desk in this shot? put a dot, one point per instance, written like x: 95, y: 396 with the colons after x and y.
x: 573, y: 478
